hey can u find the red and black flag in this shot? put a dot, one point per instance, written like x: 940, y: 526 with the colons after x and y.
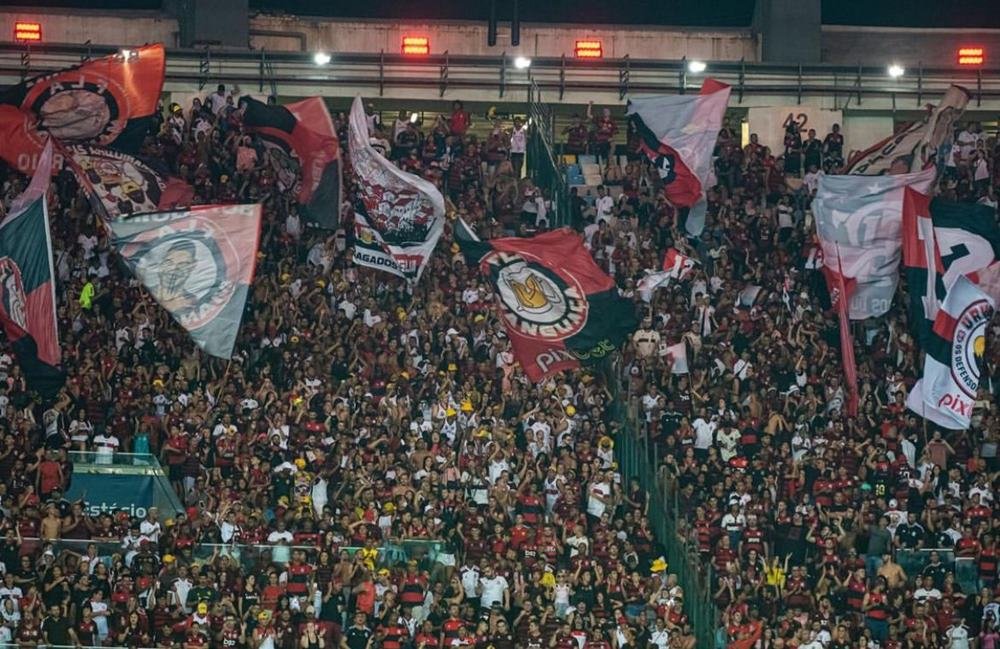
x: 121, y: 185
x: 942, y: 241
x: 559, y: 308
x: 303, y: 148
x: 678, y: 134
x: 27, y: 286
x: 110, y: 101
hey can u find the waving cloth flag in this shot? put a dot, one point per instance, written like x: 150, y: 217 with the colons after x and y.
x: 918, y: 146
x: 678, y: 134
x: 399, y: 216
x: 559, y: 308
x: 955, y: 354
x: 301, y: 144
x: 943, y: 241
x: 197, y: 264
x: 859, y: 223
x: 122, y: 185
x: 27, y: 285
x: 109, y: 101
x: 675, y: 266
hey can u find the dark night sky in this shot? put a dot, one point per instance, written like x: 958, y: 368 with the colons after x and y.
x: 721, y: 13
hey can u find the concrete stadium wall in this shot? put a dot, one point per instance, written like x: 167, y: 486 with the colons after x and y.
x: 844, y: 45
x: 125, y: 28
x: 470, y: 38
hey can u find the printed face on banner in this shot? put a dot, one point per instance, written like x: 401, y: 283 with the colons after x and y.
x: 191, y: 272
x: 536, y: 301
x: 119, y: 179
x: 399, y: 212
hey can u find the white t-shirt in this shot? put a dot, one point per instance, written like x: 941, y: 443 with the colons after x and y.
x: 106, y: 444
x: 703, y: 431
x: 492, y: 590
x: 595, y: 507
x: 150, y: 529
x: 604, y: 205
x: 519, y: 140
x: 470, y: 579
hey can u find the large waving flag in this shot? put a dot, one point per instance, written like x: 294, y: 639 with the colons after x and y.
x: 197, y: 264
x: 121, y: 185
x: 955, y: 353
x: 678, y: 135
x: 916, y: 147
x: 559, y: 308
x: 302, y: 142
x: 859, y: 223
x: 943, y: 241
x: 27, y: 285
x: 109, y: 101
x: 399, y: 217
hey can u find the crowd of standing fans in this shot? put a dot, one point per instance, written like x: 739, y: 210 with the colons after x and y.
x: 373, y: 470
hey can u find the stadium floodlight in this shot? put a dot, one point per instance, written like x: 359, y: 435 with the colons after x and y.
x: 522, y: 63
x: 896, y: 70
x: 321, y: 58
x: 696, y: 67
x: 414, y: 117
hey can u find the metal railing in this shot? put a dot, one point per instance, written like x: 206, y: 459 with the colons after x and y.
x: 543, y: 163
x: 639, y: 459
x: 390, y: 553
x: 115, y: 459
x: 446, y: 73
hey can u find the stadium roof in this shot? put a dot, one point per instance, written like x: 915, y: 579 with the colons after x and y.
x: 715, y: 13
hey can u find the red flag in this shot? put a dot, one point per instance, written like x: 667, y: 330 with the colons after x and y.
x: 104, y: 101
x: 840, y: 298
x: 559, y: 308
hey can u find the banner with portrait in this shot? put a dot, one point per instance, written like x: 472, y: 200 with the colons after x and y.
x: 197, y: 264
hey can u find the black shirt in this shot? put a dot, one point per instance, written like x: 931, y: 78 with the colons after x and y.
x: 358, y: 638
x: 56, y: 630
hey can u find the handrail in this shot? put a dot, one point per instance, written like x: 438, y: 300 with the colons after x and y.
x: 349, y: 70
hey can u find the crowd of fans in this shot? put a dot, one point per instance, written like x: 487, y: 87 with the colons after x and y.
x: 413, y: 489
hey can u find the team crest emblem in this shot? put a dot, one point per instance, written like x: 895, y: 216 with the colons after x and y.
x: 12, y: 298
x: 665, y: 168
x: 537, y: 301
x: 969, y: 346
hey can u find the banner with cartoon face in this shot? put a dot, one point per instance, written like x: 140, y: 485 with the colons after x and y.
x: 123, y: 185
x: 197, y: 264
x: 404, y: 210
x: 110, y: 100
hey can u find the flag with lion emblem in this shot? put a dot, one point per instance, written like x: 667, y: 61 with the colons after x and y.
x: 559, y: 308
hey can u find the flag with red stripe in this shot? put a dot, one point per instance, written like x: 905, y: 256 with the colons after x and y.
x: 678, y: 135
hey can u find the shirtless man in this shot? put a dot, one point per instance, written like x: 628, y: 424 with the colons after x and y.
x: 51, y: 524
x: 894, y: 575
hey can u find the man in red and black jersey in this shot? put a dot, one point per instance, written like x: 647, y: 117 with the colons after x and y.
x: 300, y: 575
x: 231, y: 636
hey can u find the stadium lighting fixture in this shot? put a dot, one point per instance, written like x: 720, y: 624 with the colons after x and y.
x: 696, y: 67
x: 896, y: 70
x: 321, y: 58
x: 590, y: 49
x: 971, y: 55
x: 522, y: 62
x: 416, y: 45
x: 127, y: 54
x: 414, y: 118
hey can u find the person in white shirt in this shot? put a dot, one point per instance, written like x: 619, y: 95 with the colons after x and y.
x: 493, y: 589
x: 599, y: 496
x: 927, y: 591
x: 150, y: 526
x: 704, y: 432
x: 105, y: 445
x: 957, y: 634
x: 604, y: 204
x: 518, y: 145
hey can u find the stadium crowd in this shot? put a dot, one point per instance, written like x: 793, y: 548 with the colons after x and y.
x: 408, y: 485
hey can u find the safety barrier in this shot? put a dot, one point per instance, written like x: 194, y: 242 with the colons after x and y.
x: 639, y: 459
